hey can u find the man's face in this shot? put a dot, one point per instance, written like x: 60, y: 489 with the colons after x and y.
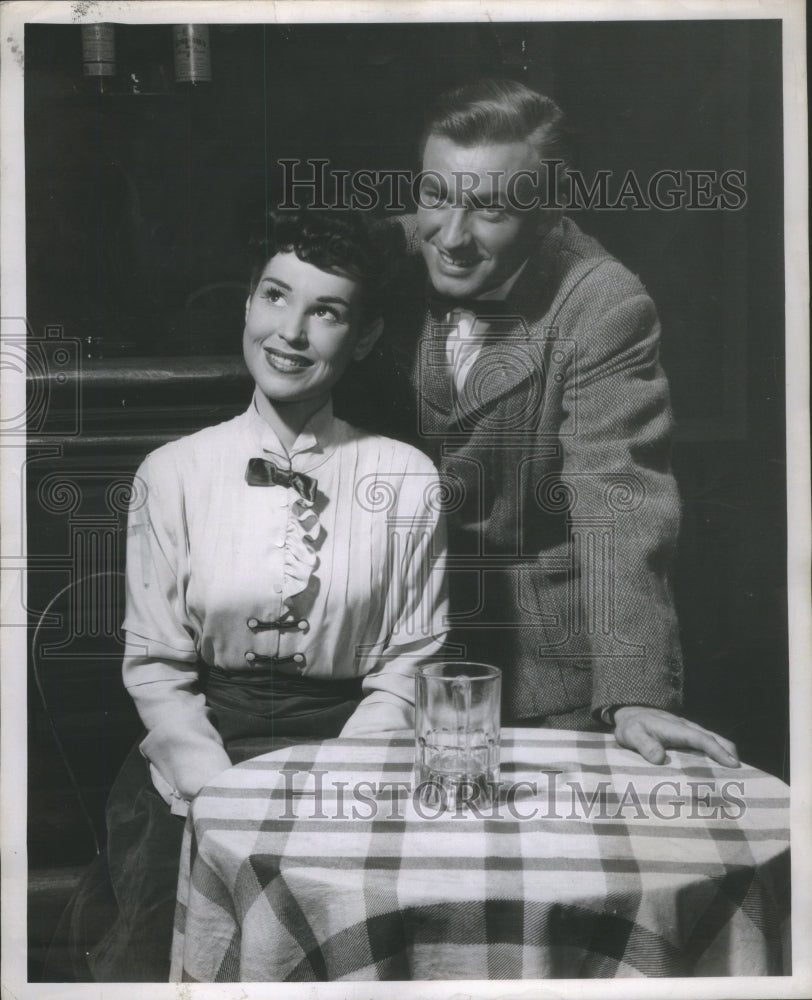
x: 472, y: 238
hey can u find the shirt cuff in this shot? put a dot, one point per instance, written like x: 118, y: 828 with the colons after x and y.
x: 607, y: 715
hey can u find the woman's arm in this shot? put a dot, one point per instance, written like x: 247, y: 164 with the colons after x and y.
x: 416, y: 606
x: 160, y: 661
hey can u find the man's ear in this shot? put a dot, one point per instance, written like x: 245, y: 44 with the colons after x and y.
x: 367, y: 340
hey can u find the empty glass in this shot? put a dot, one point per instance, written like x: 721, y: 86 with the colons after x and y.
x: 457, y: 708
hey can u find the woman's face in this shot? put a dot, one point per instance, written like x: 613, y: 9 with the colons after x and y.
x: 302, y: 328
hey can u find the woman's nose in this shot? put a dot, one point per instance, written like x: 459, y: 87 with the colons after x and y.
x: 293, y: 328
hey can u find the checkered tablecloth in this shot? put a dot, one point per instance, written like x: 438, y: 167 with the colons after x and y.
x: 318, y: 863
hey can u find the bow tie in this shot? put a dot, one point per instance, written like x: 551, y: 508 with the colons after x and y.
x: 441, y: 305
x: 261, y: 472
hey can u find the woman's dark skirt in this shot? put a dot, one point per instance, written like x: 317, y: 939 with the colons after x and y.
x: 119, y: 922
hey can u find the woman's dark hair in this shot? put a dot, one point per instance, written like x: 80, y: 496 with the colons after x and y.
x: 493, y: 111
x: 341, y: 242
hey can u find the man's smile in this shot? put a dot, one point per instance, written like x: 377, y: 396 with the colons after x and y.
x: 457, y: 262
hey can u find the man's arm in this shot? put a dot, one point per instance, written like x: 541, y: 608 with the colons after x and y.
x: 617, y: 430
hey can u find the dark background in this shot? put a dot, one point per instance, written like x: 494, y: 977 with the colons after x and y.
x: 139, y: 207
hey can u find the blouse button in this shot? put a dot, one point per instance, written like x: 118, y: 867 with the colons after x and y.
x: 277, y: 588
x: 252, y: 623
x: 298, y: 658
x: 250, y: 656
x: 302, y: 624
x: 280, y: 543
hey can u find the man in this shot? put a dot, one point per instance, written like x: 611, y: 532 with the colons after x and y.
x: 540, y: 394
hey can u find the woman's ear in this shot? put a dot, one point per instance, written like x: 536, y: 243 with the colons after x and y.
x: 367, y: 339
x: 248, y: 306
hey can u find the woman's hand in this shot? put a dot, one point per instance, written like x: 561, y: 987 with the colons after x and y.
x: 372, y: 718
x: 652, y: 731
x: 178, y: 806
x: 178, y: 798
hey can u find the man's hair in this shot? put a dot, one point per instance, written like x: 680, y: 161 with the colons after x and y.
x: 492, y: 111
x: 340, y: 242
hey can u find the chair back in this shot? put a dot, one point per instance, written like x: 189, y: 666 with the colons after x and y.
x: 76, y: 652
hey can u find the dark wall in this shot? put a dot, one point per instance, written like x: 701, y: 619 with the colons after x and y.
x: 139, y: 207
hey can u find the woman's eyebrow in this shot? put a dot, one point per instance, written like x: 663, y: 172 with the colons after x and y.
x: 277, y: 281
x: 333, y: 299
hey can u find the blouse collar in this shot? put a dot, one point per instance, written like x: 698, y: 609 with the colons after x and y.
x: 318, y: 438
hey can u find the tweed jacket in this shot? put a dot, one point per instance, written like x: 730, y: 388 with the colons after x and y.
x: 555, y: 458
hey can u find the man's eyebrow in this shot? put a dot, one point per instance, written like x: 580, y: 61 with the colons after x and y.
x: 277, y: 281
x: 334, y: 299
x: 488, y: 199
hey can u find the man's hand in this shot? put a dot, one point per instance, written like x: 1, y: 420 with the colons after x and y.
x: 651, y: 731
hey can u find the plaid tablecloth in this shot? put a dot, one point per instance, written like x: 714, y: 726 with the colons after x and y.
x: 318, y: 863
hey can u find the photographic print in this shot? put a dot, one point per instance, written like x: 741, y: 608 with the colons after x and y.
x: 405, y: 499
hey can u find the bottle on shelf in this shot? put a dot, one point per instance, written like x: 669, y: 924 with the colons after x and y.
x: 99, y: 56
x: 192, y: 54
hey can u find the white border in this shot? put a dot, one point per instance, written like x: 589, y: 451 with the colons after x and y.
x: 13, y: 16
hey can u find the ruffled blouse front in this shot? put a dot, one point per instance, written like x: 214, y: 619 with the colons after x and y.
x: 304, y: 532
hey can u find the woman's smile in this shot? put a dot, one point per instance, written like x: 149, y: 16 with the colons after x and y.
x: 282, y: 361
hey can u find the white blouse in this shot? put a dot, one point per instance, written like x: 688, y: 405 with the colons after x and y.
x: 362, y: 568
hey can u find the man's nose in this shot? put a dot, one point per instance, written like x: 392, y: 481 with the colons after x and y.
x: 454, y: 232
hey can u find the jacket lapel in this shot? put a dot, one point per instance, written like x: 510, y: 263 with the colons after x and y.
x: 432, y: 376
x: 417, y: 343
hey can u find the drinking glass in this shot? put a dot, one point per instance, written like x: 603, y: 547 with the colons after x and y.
x: 457, y: 708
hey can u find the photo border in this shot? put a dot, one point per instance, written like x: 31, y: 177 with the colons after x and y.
x: 13, y: 790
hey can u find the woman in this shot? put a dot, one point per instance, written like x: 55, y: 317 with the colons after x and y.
x: 284, y: 576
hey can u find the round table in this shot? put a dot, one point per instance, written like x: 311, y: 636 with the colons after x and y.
x: 319, y: 862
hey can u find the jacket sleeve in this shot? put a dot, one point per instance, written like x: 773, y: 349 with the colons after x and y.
x: 416, y: 605
x: 160, y: 659
x: 625, y: 510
